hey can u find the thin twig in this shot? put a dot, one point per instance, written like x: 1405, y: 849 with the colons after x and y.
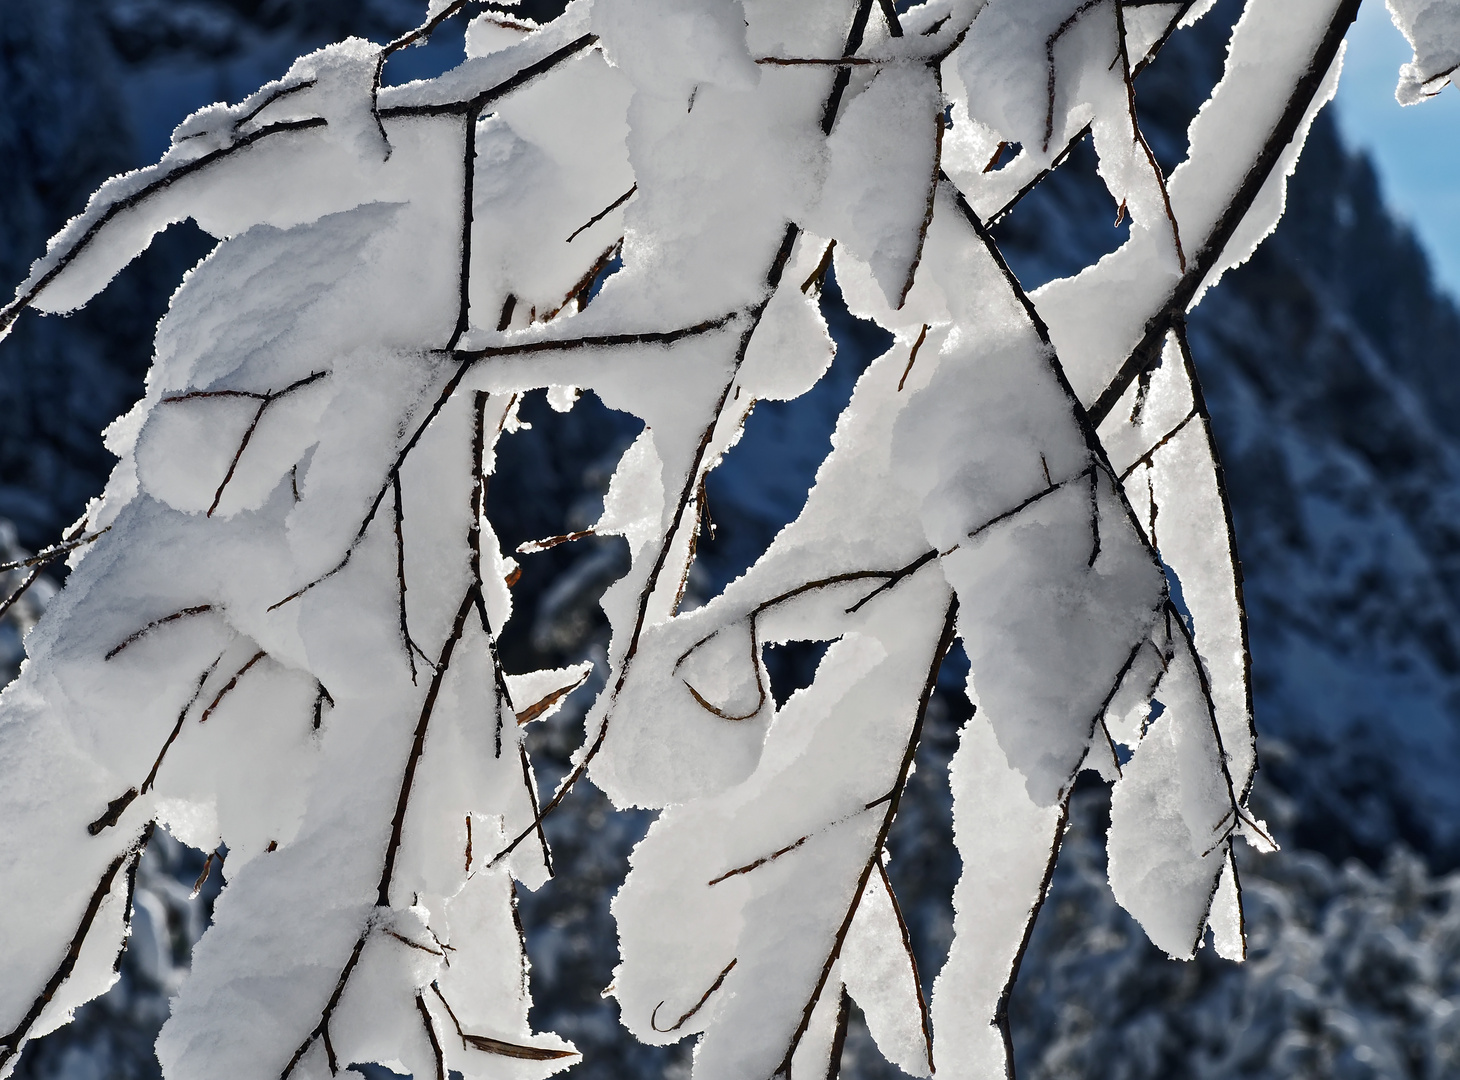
x: 758, y: 863
x: 51, y: 554
x: 1123, y: 55
x: 912, y: 356
x: 610, y: 208
x: 697, y: 1006
x: 321, y: 1029
x: 133, y: 638
x: 264, y: 399
x: 489, y: 1045
x: 230, y: 684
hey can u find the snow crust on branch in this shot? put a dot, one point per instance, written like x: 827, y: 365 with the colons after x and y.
x: 1432, y: 29
x: 285, y: 640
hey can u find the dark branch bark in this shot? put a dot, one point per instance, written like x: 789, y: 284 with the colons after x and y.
x: 230, y: 684
x: 133, y: 638
x: 610, y: 208
x: 912, y: 961
x: 418, y: 746
x: 697, y: 1006
x: 321, y: 1029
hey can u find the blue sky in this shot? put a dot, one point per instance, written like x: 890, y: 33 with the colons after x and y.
x: 1416, y: 149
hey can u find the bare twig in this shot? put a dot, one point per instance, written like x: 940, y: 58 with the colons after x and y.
x: 610, y: 208
x: 203, y: 875
x: 436, y: 1054
x: 55, y: 551
x: 133, y: 638
x: 321, y: 1029
x: 39, y: 562
x: 756, y: 864
x: 532, y: 547
x: 400, y: 575
x: 912, y: 961
x: 230, y: 684
x: 265, y: 400
x: 818, y: 276
x: 697, y: 1006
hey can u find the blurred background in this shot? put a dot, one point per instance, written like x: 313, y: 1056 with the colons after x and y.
x: 1331, y: 363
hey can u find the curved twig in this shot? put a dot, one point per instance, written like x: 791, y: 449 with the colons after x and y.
x: 136, y: 636
x: 470, y: 108
x: 11, y: 311
x: 696, y: 1007
x: 760, y: 687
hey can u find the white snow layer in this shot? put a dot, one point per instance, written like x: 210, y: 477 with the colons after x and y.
x: 1432, y: 28
x: 285, y: 641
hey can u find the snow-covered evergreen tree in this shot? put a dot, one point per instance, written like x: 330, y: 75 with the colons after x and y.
x: 279, y: 633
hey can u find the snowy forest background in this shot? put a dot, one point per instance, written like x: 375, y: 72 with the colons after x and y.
x: 1332, y: 369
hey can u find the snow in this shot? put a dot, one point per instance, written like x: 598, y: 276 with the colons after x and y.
x: 1097, y: 317
x: 285, y: 642
x: 1433, y: 31
x: 881, y: 977
x: 881, y: 173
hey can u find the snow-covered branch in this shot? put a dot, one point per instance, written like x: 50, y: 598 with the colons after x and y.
x: 280, y: 629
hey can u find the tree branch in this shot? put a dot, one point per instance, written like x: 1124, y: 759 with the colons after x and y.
x: 1148, y: 350
x: 10, y: 1044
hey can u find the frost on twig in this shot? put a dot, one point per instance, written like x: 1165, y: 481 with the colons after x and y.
x: 280, y: 630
